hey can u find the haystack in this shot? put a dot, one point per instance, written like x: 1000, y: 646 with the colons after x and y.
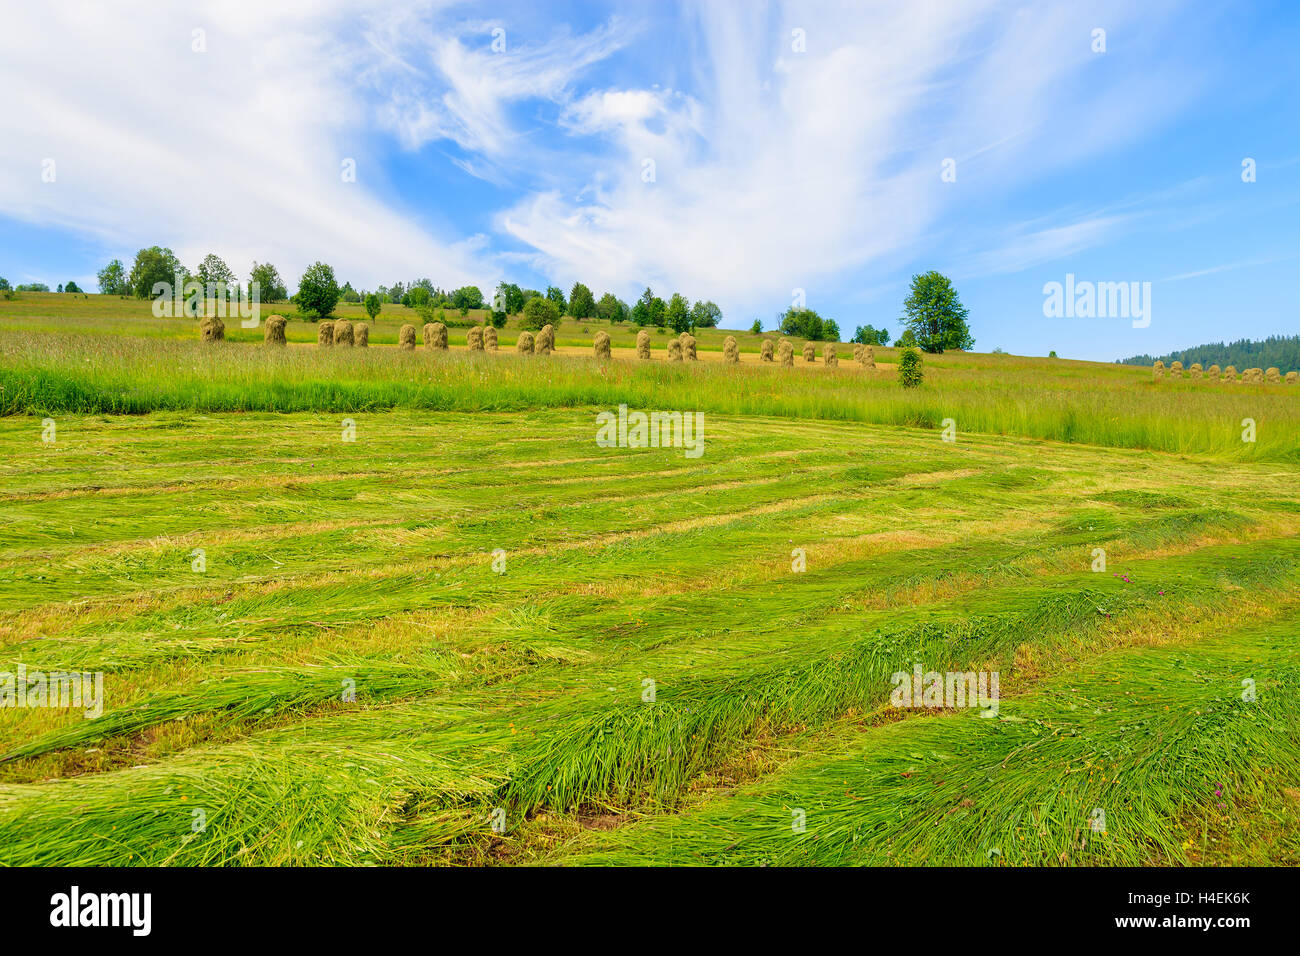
x: 1213, y: 372
x: 474, y: 338
x: 273, y: 334
x: 545, y: 342
x: 809, y: 352
x: 1196, y: 371
x: 1273, y: 375
x: 212, y: 329
x: 1230, y: 373
x: 525, y: 343
x: 360, y: 334
x: 766, y: 352
x: 490, y: 338
x: 325, y: 334
x: 1176, y: 370
x: 600, y: 344
x: 643, y: 344
x: 730, y: 350
x: 435, y: 336
x: 406, y: 337
x: 1292, y: 378
x: 674, y: 350
x: 688, y: 346
x: 343, y: 333
x: 868, y: 357
x: 828, y: 353
x: 786, y: 354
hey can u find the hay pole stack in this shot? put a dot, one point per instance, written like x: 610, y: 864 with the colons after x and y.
x: 544, y: 344
x: 688, y: 346
x: 765, y: 351
x: 273, y: 334
x: 828, y: 353
x: 730, y: 351
x: 406, y: 337
x: 786, y: 354
x: 643, y: 344
x: 435, y: 336
x: 809, y: 352
x: 674, y: 350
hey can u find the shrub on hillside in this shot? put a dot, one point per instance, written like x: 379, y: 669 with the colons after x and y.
x: 910, y: 373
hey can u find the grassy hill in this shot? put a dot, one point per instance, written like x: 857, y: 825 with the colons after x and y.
x: 312, y: 652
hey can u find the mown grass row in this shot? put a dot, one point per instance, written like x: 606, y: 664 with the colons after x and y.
x: 1185, y: 752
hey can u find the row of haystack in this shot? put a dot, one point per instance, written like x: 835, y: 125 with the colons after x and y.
x: 341, y: 332
x: 1250, y: 376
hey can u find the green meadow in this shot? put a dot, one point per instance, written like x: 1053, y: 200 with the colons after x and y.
x: 369, y: 606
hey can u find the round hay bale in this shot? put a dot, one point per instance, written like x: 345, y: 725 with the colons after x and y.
x: 766, y: 352
x: 1273, y: 375
x: 435, y: 336
x: 525, y: 343
x: 544, y: 344
x: 786, y: 354
x: 1292, y: 377
x: 343, y: 332
x: 730, y: 350
x: 1176, y: 370
x: 273, y: 334
x: 600, y: 344
x: 688, y: 346
x: 829, y: 354
x: 360, y: 334
x: 809, y: 352
x: 474, y: 338
x: 674, y: 350
x: 868, y: 357
x: 325, y: 334
x: 1196, y: 371
x: 406, y: 337
x: 212, y: 329
x: 490, y: 338
x: 643, y: 344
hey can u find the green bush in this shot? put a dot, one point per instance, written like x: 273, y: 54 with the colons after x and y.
x: 910, y: 374
x: 539, y: 312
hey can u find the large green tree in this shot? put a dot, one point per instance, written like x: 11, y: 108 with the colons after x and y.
x: 582, y: 304
x: 934, y: 314
x: 611, y: 308
x: 214, y: 270
x: 112, y: 279
x: 556, y: 295
x: 153, y: 265
x: 706, y: 315
x: 318, y: 292
x: 270, y: 287
x: 678, y: 313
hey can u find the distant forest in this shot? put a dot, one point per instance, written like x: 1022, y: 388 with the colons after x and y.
x: 1282, y: 351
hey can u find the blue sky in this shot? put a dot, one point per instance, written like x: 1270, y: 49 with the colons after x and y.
x: 797, y: 149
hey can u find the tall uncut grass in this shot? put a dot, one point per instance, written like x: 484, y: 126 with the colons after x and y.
x: 55, y: 373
